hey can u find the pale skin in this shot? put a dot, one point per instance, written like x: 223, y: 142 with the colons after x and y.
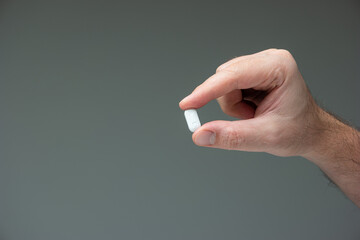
x: 278, y: 116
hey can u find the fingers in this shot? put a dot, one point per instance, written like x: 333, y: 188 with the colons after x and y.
x: 258, y: 71
x: 233, y: 105
x: 244, y: 135
x: 266, y: 87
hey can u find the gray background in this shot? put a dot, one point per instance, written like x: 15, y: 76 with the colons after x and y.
x: 94, y: 146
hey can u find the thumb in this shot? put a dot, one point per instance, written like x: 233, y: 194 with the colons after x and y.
x: 244, y: 135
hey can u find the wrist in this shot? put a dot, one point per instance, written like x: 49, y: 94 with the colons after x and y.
x: 332, y: 141
x: 336, y: 151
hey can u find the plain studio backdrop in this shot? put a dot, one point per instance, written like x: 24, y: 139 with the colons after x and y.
x: 94, y: 146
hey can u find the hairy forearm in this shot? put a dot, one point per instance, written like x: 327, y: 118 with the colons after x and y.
x: 336, y: 151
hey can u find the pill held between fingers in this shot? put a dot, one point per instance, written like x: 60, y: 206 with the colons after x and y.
x: 192, y: 119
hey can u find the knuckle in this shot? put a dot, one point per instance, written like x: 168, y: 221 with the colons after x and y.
x: 287, y: 59
x: 232, y: 139
x: 284, y: 64
x: 284, y: 53
x: 270, y: 50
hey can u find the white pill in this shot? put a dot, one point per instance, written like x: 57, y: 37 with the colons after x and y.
x: 192, y: 119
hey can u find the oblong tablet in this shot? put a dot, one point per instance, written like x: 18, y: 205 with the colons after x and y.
x: 192, y: 119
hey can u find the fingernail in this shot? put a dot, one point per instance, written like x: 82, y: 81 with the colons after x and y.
x: 205, y: 138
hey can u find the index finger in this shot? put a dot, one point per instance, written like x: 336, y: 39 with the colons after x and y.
x: 257, y: 72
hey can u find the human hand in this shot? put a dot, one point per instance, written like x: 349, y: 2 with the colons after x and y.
x: 267, y: 91
x: 280, y: 116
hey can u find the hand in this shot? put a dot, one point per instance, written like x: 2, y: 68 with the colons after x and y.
x: 267, y: 91
x: 279, y: 115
